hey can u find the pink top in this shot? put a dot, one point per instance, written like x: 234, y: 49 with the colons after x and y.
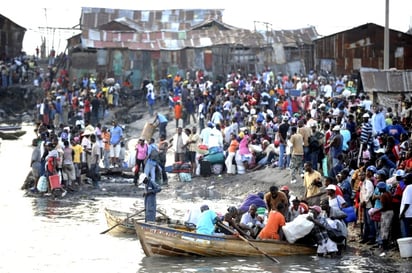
x: 141, y: 151
x: 244, y: 146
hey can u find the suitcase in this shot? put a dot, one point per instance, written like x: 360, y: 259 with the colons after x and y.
x: 205, y: 168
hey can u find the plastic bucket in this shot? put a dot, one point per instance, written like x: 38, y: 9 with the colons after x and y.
x: 240, y: 169
x: 54, y: 181
x: 405, y: 247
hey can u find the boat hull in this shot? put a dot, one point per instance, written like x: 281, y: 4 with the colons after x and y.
x: 162, y: 240
x: 125, y: 223
x: 120, y: 218
x: 12, y: 135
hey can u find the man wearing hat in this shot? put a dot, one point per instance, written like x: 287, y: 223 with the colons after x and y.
x: 151, y: 189
x: 325, y: 245
x: 205, y: 133
x: 207, y: 220
x: 386, y: 211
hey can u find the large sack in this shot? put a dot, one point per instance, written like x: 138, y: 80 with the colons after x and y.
x: 215, y: 158
x: 298, y: 228
x: 148, y: 131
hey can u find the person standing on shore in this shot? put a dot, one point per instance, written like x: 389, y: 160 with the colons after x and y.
x: 162, y: 122
x: 116, y: 135
x: 151, y: 189
x: 297, y: 153
x: 141, y: 154
x: 94, y: 162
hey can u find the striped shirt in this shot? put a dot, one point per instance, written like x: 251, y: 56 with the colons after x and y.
x: 366, y: 133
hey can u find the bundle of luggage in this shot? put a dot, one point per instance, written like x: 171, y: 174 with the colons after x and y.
x: 181, y: 167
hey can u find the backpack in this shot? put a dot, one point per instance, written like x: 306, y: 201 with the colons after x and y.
x: 154, y: 155
x: 313, y: 143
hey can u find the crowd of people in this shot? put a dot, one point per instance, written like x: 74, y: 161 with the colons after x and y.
x: 321, y: 130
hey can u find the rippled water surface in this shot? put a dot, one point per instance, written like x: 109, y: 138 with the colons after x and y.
x: 49, y: 236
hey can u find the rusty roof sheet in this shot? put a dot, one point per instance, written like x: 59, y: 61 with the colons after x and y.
x: 150, y: 20
x: 374, y: 80
x: 164, y: 40
x: 293, y: 37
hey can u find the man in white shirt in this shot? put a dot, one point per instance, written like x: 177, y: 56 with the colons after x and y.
x: 328, y: 90
x: 405, y: 215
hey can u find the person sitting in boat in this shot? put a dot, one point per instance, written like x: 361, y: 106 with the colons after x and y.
x: 274, y: 197
x: 206, y: 221
x: 338, y: 216
x: 232, y: 226
x: 251, y: 222
x: 297, y: 208
x: 273, y: 227
x: 325, y: 244
x: 255, y: 199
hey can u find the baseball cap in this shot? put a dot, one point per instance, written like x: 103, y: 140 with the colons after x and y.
x: 331, y: 187
x: 316, y: 208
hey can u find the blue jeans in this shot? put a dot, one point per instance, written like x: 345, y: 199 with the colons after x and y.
x: 150, y: 169
x: 406, y: 227
x: 369, y: 231
x: 314, y: 159
x: 282, y: 149
x: 150, y: 109
x: 162, y: 129
x: 306, y: 154
x: 4, y: 81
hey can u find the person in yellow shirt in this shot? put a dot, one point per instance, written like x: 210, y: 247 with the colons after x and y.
x: 311, y: 180
x: 78, y: 150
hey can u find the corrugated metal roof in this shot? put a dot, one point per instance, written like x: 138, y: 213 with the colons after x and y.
x: 374, y: 80
x: 177, y: 29
x: 150, y: 20
x: 162, y: 40
x: 293, y: 37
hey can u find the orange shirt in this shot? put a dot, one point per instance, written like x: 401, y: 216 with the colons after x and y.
x: 178, y: 111
x: 106, y: 140
x: 271, y: 230
x: 234, y: 144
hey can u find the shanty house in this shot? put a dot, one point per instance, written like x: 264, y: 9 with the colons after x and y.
x: 348, y: 51
x: 136, y: 44
x: 11, y: 38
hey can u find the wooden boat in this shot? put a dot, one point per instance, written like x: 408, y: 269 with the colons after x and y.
x: 114, y: 217
x: 11, y: 135
x: 4, y: 128
x: 166, y: 241
x: 125, y: 223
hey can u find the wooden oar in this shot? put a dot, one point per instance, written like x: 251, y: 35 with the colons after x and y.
x: 249, y: 242
x: 128, y: 217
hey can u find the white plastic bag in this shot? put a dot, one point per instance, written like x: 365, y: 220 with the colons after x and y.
x: 298, y: 228
x: 42, y: 184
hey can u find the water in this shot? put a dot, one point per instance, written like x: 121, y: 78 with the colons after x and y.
x: 43, y: 235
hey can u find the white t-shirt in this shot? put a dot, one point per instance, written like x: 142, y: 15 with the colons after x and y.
x: 407, y: 199
x: 333, y: 203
